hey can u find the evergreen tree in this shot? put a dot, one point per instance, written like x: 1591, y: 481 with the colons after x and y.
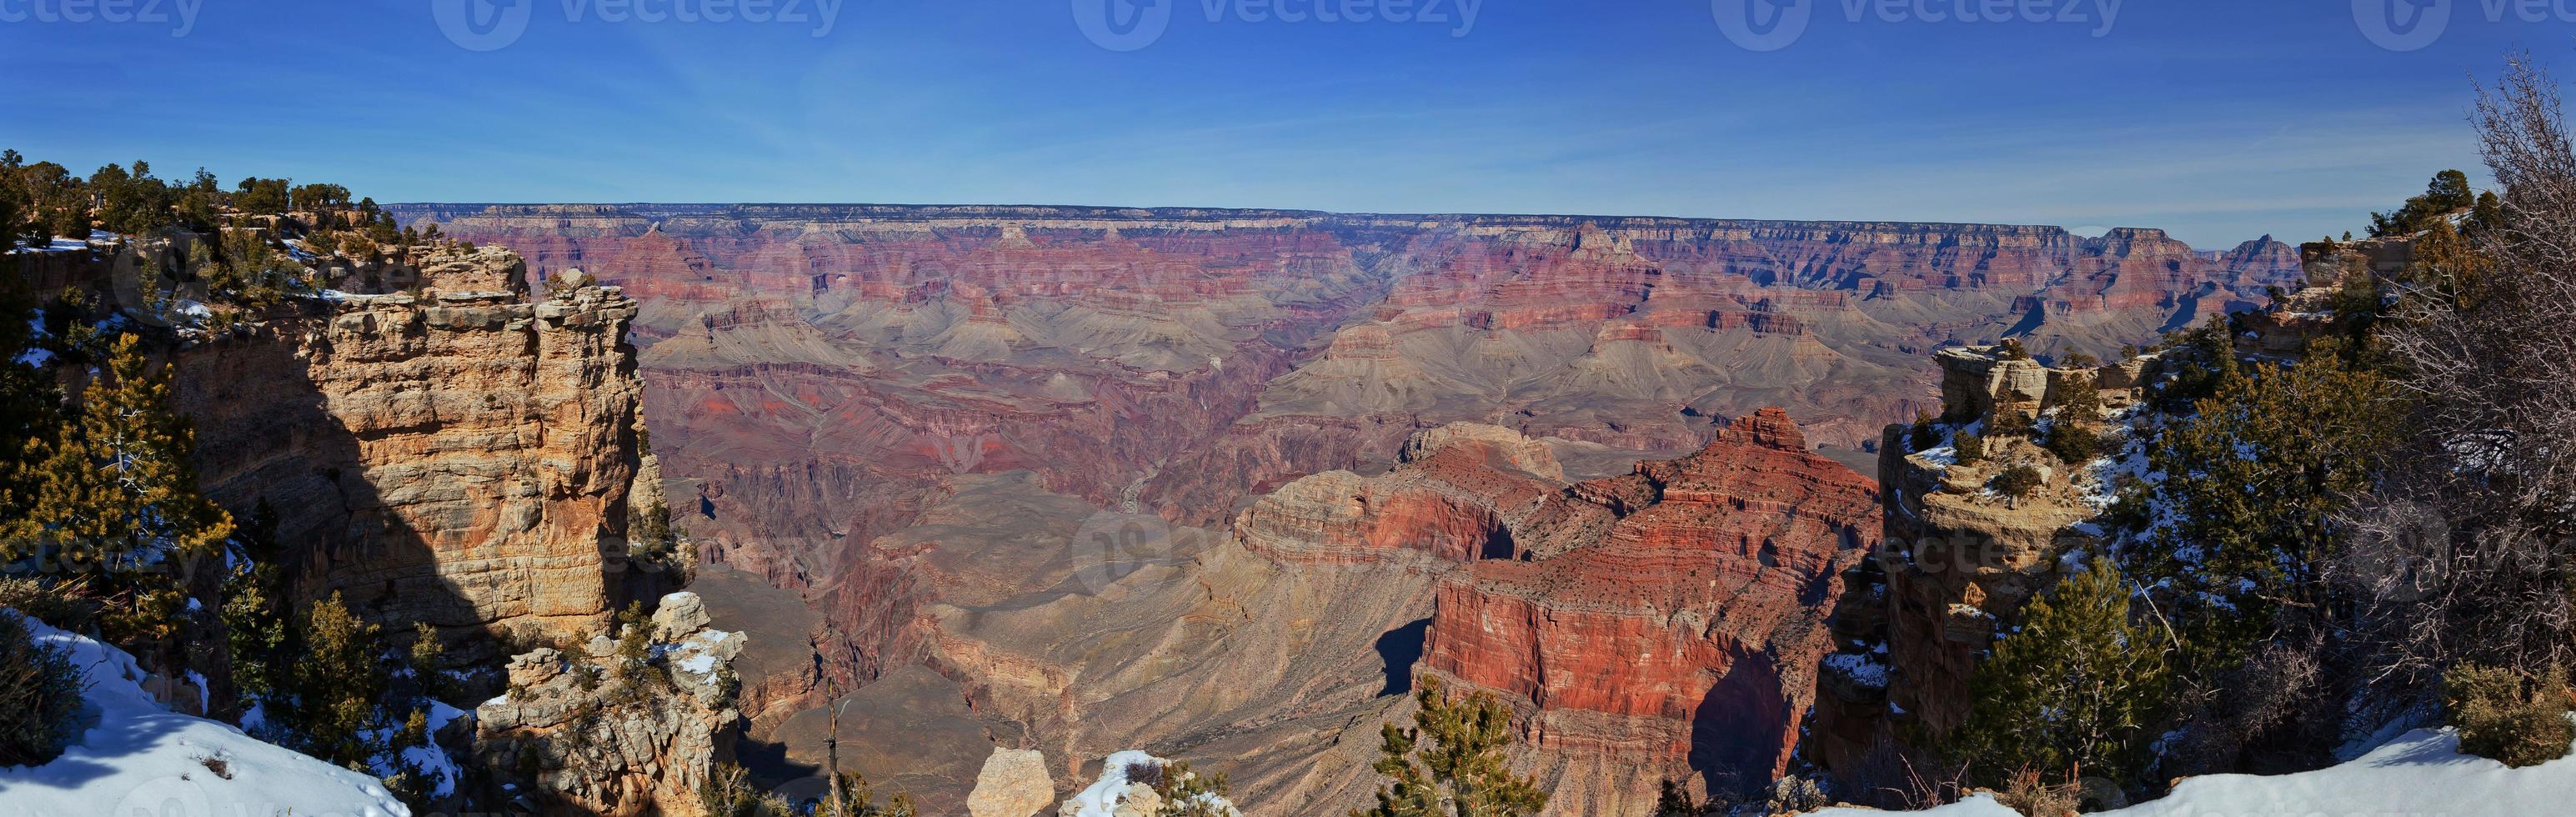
x: 2257, y: 478
x: 331, y: 710
x: 2448, y: 193
x: 260, y: 196
x: 113, y: 491
x: 1451, y: 764
x: 2074, y: 688
x: 253, y: 617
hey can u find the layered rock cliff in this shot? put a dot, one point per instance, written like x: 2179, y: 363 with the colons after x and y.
x: 1664, y: 625
x: 461, y: 455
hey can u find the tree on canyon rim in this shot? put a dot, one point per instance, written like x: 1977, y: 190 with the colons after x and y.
x: 1451, y: 764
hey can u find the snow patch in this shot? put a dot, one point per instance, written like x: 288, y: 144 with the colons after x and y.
x: 137, y: 756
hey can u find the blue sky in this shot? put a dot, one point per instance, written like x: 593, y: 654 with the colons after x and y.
x: 2219, y: 121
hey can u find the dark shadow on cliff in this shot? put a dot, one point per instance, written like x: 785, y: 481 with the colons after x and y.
x: 1399, y: 649
x: 1730, y: 746
x: 266, y: 432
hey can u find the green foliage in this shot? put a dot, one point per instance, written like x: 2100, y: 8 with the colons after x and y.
x: 16, y: 211
x: 1187, y: 793
x: 1451, y: 762
x: 261, y: 196
x: 2018, y: 481
x: 2077, y: 398
x: 1972, y: 448
x: 1926, y: 435
x: 2012, y: 349
x: 2073, y: 443
x: 245, y: 270
x: 635, y: 647
x: 111, y: 499
x: 2448, y: 193
x: 2505, y: 715
x: 252, y: 612
x: 2257, y: 476
x: 2009, y: 423
x: 133, y: 203
x: 2204, y: 358
x: 40, y: 696
x: 429, y: 662
x: 318, y: 198
x: 2074, y: 688
x: 335, y: 687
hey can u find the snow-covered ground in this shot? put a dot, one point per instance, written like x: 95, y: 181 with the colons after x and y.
x: 2421, y: 773
x: 137, y: 757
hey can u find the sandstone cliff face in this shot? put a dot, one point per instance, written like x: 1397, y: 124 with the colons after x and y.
x: 1667, y: 623
x: 465, y: 458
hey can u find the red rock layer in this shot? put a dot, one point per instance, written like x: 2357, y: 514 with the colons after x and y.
x: 1666, y: 624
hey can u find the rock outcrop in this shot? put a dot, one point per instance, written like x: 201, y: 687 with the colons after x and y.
x: 597, y: 732
x: 463, y: 457
x: 1013, y: 783
x: 1958, y: 559
x: 1664, y: 625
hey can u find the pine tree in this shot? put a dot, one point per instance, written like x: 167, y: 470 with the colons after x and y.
x: 254, y: 625
x: 112, y: 497
x: 333, y: 712
x: 1451, y: 763
x: 2257, y: 478
x: 2074, y: 688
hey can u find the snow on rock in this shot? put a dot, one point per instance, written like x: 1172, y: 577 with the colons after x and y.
x: 137, y: 756
x: 1114, y: 795
x: 2421, y: 772
x: 1102, y: 798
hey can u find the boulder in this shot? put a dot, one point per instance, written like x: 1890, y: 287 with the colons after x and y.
x: 1014, y: 783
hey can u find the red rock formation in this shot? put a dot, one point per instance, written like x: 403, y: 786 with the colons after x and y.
x: 1665, y: 622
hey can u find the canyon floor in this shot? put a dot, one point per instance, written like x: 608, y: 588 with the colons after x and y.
x: 1206, y: 482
